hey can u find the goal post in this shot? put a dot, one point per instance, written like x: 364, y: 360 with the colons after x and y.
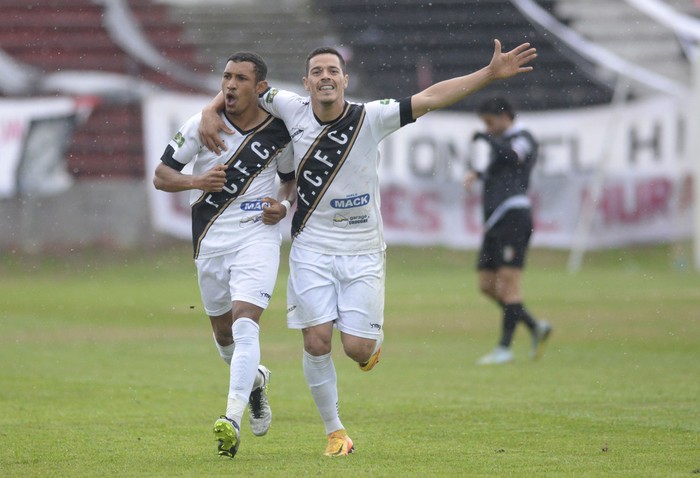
x: 694, y: 152
x: 592, y: 199
x: 688, y: 28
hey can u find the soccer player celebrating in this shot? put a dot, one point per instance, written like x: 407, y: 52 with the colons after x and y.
x: 337, y: 261
x: 235, y: 233
x: 507, y: 224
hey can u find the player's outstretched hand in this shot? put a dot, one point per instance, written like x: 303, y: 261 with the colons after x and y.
x: 209, y: 128
x: 273, y: 211
x: 505, y: 65
x: 213, y: 180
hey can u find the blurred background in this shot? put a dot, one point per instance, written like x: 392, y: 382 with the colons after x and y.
x: 92, y: 90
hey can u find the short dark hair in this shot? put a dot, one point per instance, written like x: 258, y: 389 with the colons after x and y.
x: 496, y: 106
x: 258, y: 63
x: 322, y: 50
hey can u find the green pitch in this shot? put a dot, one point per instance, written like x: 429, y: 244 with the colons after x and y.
x: 108, y: 369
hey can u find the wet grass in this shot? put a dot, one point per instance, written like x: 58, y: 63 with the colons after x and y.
x: 108, y: 368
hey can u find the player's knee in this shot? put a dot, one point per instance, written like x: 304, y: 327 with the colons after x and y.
x: 221, y: 325
x: 359, y: 350
x: 316, y: 344
x: 485, y: 288
x: 509, y: 292
x: 488, y: 288
x: 223, y: 337
x: 357, y: 354
x: 245, y: 309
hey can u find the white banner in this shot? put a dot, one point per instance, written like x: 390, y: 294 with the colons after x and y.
x: 646, y: 194
x: 163, y: 114
x: 33, y: 135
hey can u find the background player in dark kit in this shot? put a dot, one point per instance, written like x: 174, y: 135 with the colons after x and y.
x: 507, y: 224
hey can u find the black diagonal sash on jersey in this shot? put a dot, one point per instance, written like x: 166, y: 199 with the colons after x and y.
x: 322, y: 162
x: 244, y: 165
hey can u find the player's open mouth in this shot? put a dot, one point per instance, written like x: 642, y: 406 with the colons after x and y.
x: 327, y: 88
x: 230, y: 99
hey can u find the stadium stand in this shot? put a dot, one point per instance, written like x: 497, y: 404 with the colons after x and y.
x: 283, y: 32
x: 113, y: 53
x: 420, y: 42
x: 643, y: 41
x: 43, y: 37
x: 393, y: 49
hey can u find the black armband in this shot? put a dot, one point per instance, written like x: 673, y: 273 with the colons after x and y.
x: 284, y: 177
x: 169, y: 161
x: 406, y: 111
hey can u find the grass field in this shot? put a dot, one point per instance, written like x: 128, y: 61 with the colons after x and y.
x: 108, y: 369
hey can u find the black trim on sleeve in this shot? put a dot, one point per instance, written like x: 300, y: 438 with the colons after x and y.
x: 169, y: 161
x: 406, y: 111
x: 284, y: 177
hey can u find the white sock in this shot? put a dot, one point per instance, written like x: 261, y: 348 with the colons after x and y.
x: 226, y: 351
x: 323, y: 383
x: 244, y: 366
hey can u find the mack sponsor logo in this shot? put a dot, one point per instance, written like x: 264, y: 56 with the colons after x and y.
x: 252, y: 205
x: 346, y: 203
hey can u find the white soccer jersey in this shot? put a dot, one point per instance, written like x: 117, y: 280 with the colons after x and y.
x: 225, y: 221
x: 338, y: 204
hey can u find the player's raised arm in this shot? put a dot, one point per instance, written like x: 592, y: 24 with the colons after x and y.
x: 448, y: 92
x: 212, y: 123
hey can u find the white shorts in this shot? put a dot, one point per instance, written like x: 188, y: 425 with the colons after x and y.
x: 247, y: 275
x: 346, y: 289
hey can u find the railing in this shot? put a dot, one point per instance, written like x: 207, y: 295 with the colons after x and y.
x: 683, y: 25
x: 126, y: 33
x: 597, y: 55
x: 17, y: 78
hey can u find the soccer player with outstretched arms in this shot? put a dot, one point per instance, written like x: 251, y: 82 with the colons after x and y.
x: 337, y: 260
